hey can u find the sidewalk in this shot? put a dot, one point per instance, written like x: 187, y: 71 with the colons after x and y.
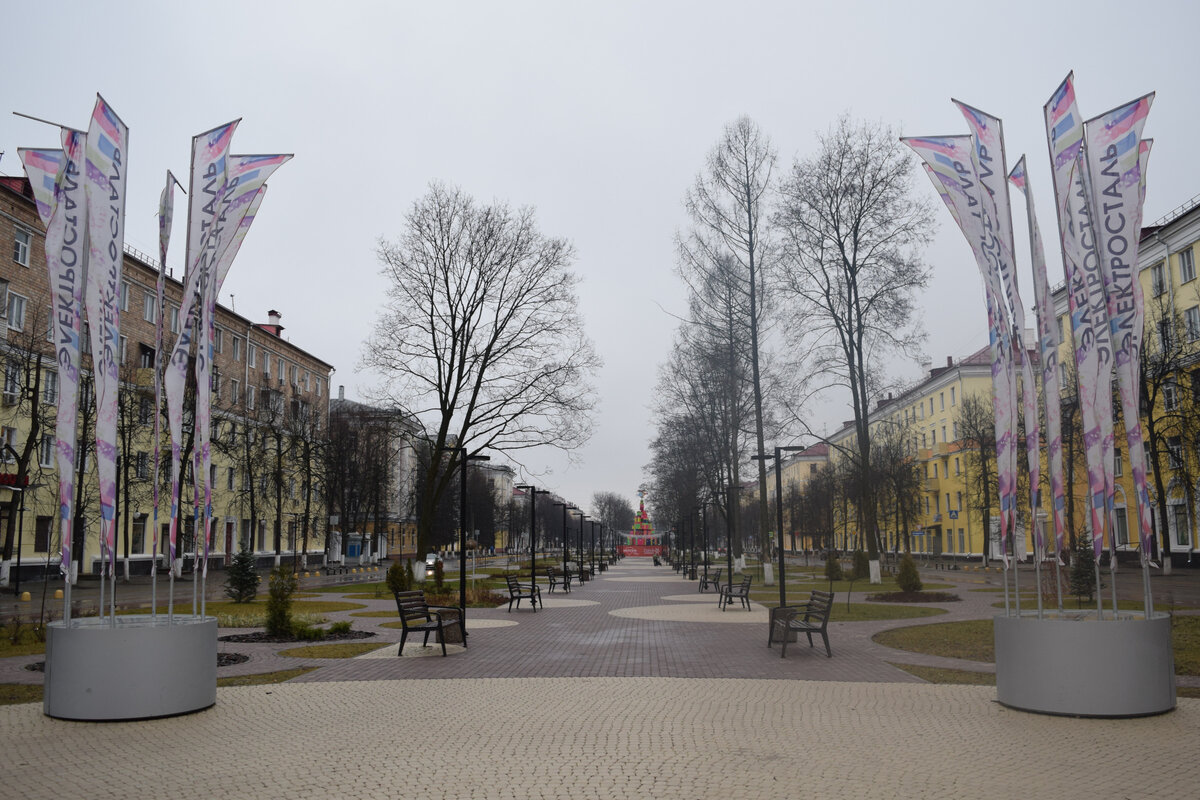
x: 665, y: 698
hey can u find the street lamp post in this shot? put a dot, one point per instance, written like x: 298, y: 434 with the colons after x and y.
x: 579, y: 545
x: 778, y: 456
x: 566, y: 507
x: 592, y: 548
x: 464, y: 459
x: 533, y: 493
x: 704, y: 534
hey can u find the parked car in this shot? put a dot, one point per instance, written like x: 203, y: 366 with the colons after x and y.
x: 431, y: 562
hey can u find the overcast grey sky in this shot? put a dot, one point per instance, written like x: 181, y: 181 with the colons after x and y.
x: 598, y: 114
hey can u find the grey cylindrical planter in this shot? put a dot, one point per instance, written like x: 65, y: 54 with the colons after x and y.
x: 140, y: 668
x: 1077, y: 665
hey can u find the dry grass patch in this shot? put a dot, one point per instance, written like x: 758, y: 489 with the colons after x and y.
x: 262, y: 678
x: 971, y: 639
x: 340, y: 650
x: 12, y: 694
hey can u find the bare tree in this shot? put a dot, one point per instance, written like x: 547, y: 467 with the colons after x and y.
x: 480, y: 334
x: 614, y: 510
x: 727, y: 205
x: 852, y: 234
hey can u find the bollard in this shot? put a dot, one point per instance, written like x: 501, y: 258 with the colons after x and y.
x: 25, y: 597
x: 58, y: 595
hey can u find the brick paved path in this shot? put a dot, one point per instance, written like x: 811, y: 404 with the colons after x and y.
x: 574, y: 701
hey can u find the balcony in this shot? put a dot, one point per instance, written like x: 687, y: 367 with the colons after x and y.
x: 932, y: 485
x: 941, y: 449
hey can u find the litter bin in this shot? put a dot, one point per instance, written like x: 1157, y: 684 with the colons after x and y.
x: 452, y: 634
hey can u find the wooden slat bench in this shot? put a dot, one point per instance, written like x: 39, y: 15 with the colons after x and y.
x: 712, y: 579
x: 522, y: 591
x: 418, y: 616
x: 739, y: 591
x: 557, y: 577
x: 811, y: 618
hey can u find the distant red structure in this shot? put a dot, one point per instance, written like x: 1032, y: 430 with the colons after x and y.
x: 642, y: 540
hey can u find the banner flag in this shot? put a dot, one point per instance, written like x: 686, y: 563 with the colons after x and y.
x: 950, y: 164
x: 166, y: 215
x: 246, y: 178
x: 106, y: 153
x: 1086, y: 299
x: 988, y: 133
x: 42, y: 168
x: 66, y: 259
x: 210, y: 152
x: 1113, y: 176
x: 1049, y: 342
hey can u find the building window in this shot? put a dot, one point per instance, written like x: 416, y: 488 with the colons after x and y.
x: 250, y: 398
x: 237, y: 349
x: 22, y: 239
x: 50, y: 387
x: 1121, y: 523
x: 282, y: 369
x: 145, y: 410
x: 16, y: 311
x: 1059, y: 322
x: 218, y: 340
x: 235, y: 389
x: 1158, y: 282
x: 149, y: 307
x: 1179, y: 512
x: 266, y: 363
x: 957, y: 468
x: 145, y: 356
x: 1191, y: 323
x: 934, y: 432
x: 46, y: 451
x: 1187, y: 266
x: 8, y: 443
x: 173, y: 317
x: 295, y: 375
x: 12, y: 381
x: 41, y: 534
x: 124, y: 296
x: 1164, y: 335
x: 216, y: 383
x: 952, y: 395
x: 229, y: 473
x: 1118, y: 469
x: 123, y: 344
x: 318, y: 387
x: 251, y: 354
x: 139, y: 533
x: 1174, y: 452
x: 142, y: 468
x: 942, y: 400
x: 1170, y: 395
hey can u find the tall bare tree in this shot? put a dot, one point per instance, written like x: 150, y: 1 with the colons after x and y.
x: 480, y: 336
x: 730, y: 227
x: 852, y: 235
x: 614, y: 510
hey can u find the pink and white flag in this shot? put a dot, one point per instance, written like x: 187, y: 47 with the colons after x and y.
x: 64, y: 213
x: 1048, y: 340
x: 951, y: 165
x: 988, y: 133
x: 1115, y: 182
x: 166, y: 216
x: 106, y: 157
x: 1086, y: 299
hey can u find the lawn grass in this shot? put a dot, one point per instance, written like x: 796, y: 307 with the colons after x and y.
x: 13, y: 693
x: 22, y: 642
x: 854, y: 612
x: 263, y: 678
x: 974, y: 640
x: 971, y: 639
x: 375, y: 614
x: 962, y: 677
x: 336, y: 650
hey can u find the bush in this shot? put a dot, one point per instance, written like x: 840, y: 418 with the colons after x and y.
x: 833, y: 568
x: 306, y: 633
x: 1083, y: 570
x: 340, y: 627
x: 280, y: 588
x: 439, y: 576
x: 241, y: 581
x: 862, y: 567
x: 399, y: 577
x: 908, y: 577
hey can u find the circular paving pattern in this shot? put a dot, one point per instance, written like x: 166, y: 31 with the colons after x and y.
x: 696, y: 612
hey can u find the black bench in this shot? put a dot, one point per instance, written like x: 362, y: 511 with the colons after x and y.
x: 418, y: 616
x: 739, y: 591
x: 813, y: 617
x: 712, y: 579
x: 522, y: 591
x: 557, y: 577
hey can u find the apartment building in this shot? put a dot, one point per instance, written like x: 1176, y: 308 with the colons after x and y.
x: 269, y: 398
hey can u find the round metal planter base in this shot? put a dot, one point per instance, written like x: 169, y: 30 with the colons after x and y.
x: 140, y: 668
x: 1077, y: 665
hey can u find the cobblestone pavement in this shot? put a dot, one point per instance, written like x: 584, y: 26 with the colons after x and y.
x: 672, y: 698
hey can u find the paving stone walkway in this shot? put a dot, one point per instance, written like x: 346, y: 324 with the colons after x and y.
x: 634, y: 685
